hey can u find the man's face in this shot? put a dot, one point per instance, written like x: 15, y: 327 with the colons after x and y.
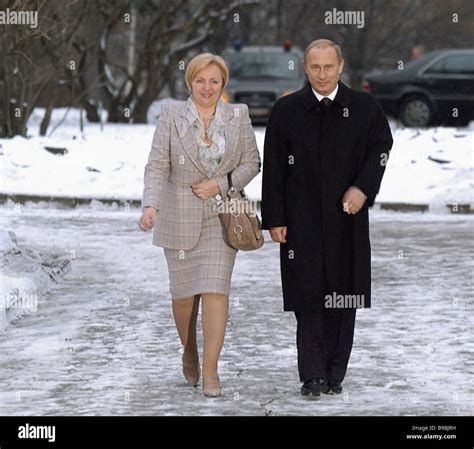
x: 323, y: 69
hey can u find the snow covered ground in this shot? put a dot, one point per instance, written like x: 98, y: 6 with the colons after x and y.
x: 433, y: 166
x: 25, y: 275
x: 103, y: 341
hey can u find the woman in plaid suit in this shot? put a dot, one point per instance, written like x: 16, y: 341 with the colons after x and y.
x: 196, y: 143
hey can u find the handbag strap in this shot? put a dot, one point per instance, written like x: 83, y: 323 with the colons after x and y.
x: 231, y: 186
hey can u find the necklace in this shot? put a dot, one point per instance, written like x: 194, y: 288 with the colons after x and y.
x: 206, y: 121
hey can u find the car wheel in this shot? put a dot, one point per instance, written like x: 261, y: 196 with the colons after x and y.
x: 416, y: 111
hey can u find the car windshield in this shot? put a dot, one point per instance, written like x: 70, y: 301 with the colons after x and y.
x: 258, y: 65
x: 414, y: 64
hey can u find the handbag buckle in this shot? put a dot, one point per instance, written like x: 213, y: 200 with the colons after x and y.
x: 237, y: 226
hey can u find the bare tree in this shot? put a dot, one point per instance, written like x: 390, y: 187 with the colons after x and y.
x: 18, y: 70
x: 41, y: 65
x: 167, y: 31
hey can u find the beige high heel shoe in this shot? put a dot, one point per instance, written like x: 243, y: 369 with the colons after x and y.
x: 191, y: 372
x: 211, y: 387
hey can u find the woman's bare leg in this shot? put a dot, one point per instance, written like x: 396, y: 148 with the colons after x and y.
x: 215, y: 309
x: 185, y: 312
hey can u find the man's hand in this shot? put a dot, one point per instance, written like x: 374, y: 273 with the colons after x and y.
x: 278, y: 234
x: 353, y: 200
x: 206, y: 189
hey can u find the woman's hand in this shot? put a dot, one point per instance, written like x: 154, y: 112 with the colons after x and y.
x: 206, y: 189
x: 147, y: 220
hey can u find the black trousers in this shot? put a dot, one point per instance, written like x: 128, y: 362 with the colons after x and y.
x: 324, y: 340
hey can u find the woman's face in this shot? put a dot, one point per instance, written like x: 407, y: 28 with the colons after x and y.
x: 206, y: 86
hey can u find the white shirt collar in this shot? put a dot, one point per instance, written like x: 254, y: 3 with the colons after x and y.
x: 331, y: 96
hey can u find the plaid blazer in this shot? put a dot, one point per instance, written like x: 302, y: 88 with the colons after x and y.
x: 173, y: 167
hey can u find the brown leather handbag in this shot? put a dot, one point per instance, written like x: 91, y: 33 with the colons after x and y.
x: 239, y: 219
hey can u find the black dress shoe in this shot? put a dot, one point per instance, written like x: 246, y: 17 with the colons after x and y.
x: 311, y: 388
x: 331, y: 387
x: 336, y: 387
x: 325, y: 388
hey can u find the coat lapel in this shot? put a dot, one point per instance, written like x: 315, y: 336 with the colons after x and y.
x: 231, y: 132
x: 184, y: 124
x: 335, y: 110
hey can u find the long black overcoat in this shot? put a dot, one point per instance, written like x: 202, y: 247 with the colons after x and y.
x: 312, y: 155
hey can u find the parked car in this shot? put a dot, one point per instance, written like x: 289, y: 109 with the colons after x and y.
x: 436, y: 89
x: 259, y: 75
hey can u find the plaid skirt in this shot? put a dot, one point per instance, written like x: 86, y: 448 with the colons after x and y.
x: 206, y: 268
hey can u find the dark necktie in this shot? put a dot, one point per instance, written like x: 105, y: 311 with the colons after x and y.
x: 325, y: 102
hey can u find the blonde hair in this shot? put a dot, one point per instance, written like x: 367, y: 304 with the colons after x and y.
x: 202, y: 61
x: 324, y: 43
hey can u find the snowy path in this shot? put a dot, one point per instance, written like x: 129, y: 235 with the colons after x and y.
x: 103, y: 341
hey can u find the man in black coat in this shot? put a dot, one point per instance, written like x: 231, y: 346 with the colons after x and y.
x: 326, y: 147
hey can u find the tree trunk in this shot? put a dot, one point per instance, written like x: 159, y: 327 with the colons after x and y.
x: 144, y: 102
x: 116, y: 112
x: 140, y: 112
x: 91, y: 112
x: 47, y: 116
